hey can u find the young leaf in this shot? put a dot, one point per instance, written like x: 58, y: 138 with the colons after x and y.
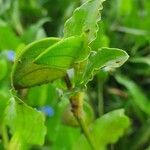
x: 84, y: 20
x: 25, y: 123
x: 137, y: 94
x: 62, y: 54
x: 26, y: 73
x: 105, y: 130
x: 105, y: 58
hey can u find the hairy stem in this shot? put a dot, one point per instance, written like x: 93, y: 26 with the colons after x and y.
x: 86, y: 133
x: 76, y: 102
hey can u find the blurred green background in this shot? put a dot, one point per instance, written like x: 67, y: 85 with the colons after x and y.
x: 125, y: 24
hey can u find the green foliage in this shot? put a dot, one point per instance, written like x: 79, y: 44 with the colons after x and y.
x: 84, y: 20
x: 3, y: 104
x: 26, y: 123
x: 102, y: 130
x: 3, y: 66
x: 25, y: 70
x: 105, y: 58
x: 7, y: 33
x: 50, y: 74
x: 136, y: 94
x: 87, y: 114
x: 63, y: 54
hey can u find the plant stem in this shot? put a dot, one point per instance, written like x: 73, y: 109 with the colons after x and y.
x: 68, y: 82
x: 86, y: 133
x: 77, y: 110
x: 76, y: 102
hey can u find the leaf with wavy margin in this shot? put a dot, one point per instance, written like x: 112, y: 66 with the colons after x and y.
x: 105, y: 58
x: 85, y: 20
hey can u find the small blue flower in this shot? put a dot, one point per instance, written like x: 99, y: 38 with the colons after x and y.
x: 49, y: 111
x: 10, y: 55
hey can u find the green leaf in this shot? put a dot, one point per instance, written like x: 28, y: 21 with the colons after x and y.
x: 106, y: 58
x: 105, y: 130
x: 138, y: 96
x: 84, y: 20
x: 26, y: 73
x: 101, y: 39
x: 25, y: 123
x: 63, y: 54
x: 46, y: 60
x: 110, y: 127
